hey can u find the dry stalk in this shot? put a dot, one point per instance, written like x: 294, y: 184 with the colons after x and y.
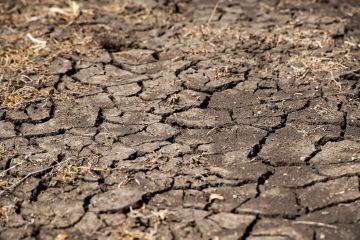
x: 213, y: 13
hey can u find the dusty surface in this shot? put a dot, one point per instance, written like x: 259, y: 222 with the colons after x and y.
x: 160, y: 120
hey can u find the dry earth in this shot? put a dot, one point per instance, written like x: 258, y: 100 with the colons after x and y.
x: 180, y: 119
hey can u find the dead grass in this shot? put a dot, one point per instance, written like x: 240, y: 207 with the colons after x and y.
x: 16, y: 98
x: 214, y: 34
x: 136, y: 13
x: 4, y: 184
x: 29, y: 51
x: 301, y: 37
x: 15, y: 59
x: 69, y: 171
x: 311, y: 59
x: 22, y: 12
x: 154, y: 17
x: 68, y: 175
x: 352, y: 43
x: 5, y: 211
x: 25, y: 54
x: 3, y: 149
x: 156, y: 217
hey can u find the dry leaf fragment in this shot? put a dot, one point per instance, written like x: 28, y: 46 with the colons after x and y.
x: 61, y: 236
x: 38, y: 43
x: 73, y: 11
x: 215, y: 196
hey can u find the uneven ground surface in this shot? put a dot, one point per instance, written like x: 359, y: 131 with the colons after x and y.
x: 168, y: 120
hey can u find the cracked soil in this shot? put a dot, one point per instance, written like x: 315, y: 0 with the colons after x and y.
x: 180, y: 119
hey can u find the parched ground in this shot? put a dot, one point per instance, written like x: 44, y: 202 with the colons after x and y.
x: 180, y: 119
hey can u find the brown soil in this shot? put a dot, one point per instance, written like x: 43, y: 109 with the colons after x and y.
x: 180, y: 119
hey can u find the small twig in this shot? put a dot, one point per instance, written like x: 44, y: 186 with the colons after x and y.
x: 318, y: 224
x: 213, y: 13
x: 212, y: 130
x: 305, y: 74
x: 16, y: 184
x: 336, y: 82
x: 2, y: 173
